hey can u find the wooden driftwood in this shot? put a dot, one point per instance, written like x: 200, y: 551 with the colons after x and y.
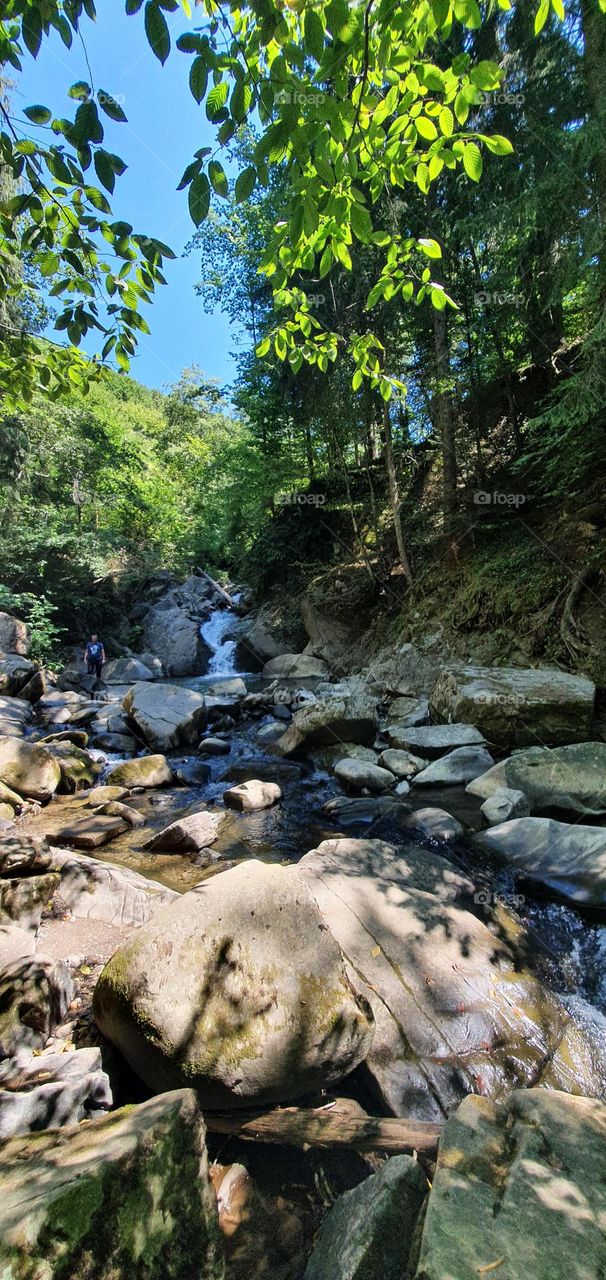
x: 226, y: 596
x: 327, y: 1127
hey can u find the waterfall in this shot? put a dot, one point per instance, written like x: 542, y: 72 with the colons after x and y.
x: 223, y: 651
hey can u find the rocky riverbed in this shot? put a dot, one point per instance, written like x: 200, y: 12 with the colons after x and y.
x: 230, y: 894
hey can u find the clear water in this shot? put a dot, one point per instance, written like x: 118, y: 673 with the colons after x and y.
x: 216, y: 634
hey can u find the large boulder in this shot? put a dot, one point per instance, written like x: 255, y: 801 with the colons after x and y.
x: 434, y: 740
x: 368, y: 1233
x: 296, y: 666
x: 361, y: 775
x: 568, y: 778
x: 167, y: 715
x: 78, y: 769
x: 459, y: 766
x: 174, y: 636
x: 455, y: 1011
x: 252, y: 795
x: 126, y: 671
x: 145, y: 771
x: 238, y: 990
x: 95, y: 890
x: 568, y: 858
x: 188, y: 835
x: 15, y: 672
x: 257, y: 643
x: 519, y: 1191
x: 24, y: 898
x: 517, y: 708
x: 30, y: 770
x: 14, y: 635
x: 329, y: 721
x: 504, y: 804
x: 122, y: 1197
x: 35, y: 993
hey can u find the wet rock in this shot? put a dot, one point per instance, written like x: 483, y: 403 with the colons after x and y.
x: 568, y: 858
x: 249, y: 768
x: 231, y: 687
x: 103, y: 795
x: 257, y: 643
x: 145, y: 771
x: 30, y: 770
x: 123, y: 1196
x: 438, y: 824
x: 123, y: 811
x: 361, y: 776
x: 402, y: 763
x: 213, y: 747
x: 89, y: 832
x: 327, y: 757
x: 569, y: 778
x: 252, y: 795
x: 436, y: 739
x: 196, y: 831
x: 238, y: 989
x: 329, y: 721
x: 348, y: 811
x: 78, y: 737
x: 95, y: 890
x: 409, y: 712
x: 522, y: 1182
x: 24, y: 898
x: 459, y: 766
x: 126, y: 671
x: 174, y: 636
x: 34, y: 997
x: 79, y: 770
x: 503, y: 805
x: 191, y: 773
x: 517, y: 708
x: 268, y: 734
x: 367, y: 1235
x: 455, y: 1012
x: 167, y: 715
x: 117, y: 743
x: 14, y: 635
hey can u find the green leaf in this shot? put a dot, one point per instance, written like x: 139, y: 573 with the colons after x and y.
x: 446, y: 120
x: 111, y: 107
x: 198, y: 78
x: 199, y: 198
x: 218, y: 179
x: 499, y: 145
x: 472, y: 161
x: 80, y: 91
x: 217, y: 97
x: 87, y: 125
x: 38, y: 115
x: 156, y: 30
x: 361, y: 222
x: 245, y: 184
x: 263, y: 348
x: 430, y: 248
x: 313, y: 34
x: 426, y: 128
x: 31, y: 28
x: 541, y: 16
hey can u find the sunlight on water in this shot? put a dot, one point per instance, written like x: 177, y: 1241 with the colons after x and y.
x: 223, y: 650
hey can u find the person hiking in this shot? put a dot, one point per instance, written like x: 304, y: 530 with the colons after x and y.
x: 94, y: 656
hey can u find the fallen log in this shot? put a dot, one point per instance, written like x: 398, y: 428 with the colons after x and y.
x: 226, y: 596
x: 327, y: 1127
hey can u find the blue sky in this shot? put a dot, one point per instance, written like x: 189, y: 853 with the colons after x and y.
x: 165, y: 126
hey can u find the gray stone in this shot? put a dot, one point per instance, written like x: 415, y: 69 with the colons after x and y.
x: 174, y: 636
x: 102, y: 795
x: 30, y: 770
x: 238, y: 989
x: 367, y: 1235
x: 455, y: 1011
x: 251, y: 768
x: 15, y: 672
x: 435, y: 823
x: 186, y: 835
x: 569, y: 778
x: 125, y: 811
x: 34, y: 998
x: 364, y: 777
x: 409, y: 712
x: 117, y: 743
x: 126, y: 671
x: 90, y: 832
x: 349, y: 811
x: 568, y: 858
x: 230, y: 686
x: 145, y: 771
x: 296, y: 666
x: 435, y: 739
x: 520, y: 1185
x: 251, y: 795
x: 15, y: 944
x: 459, y: 766
x: 517, y: 708
x: 191, y: 773
x: 79, y: 770
x: 14, y: 635
x: 53, y: 1104
x: 503, y: 805
x: 214, y: 747
x: 167, y: 715
x: 95, y: 890
x: 24, y: 898
x: 329, y: 721
x: 402, y: 763
x: 124, y: 1196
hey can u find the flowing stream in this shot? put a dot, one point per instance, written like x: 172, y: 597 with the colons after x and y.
x: 216, y: 635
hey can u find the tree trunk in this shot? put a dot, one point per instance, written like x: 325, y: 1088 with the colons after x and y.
x: 328, y: 1127
x: 394, y: 494
x: 445, y: 419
